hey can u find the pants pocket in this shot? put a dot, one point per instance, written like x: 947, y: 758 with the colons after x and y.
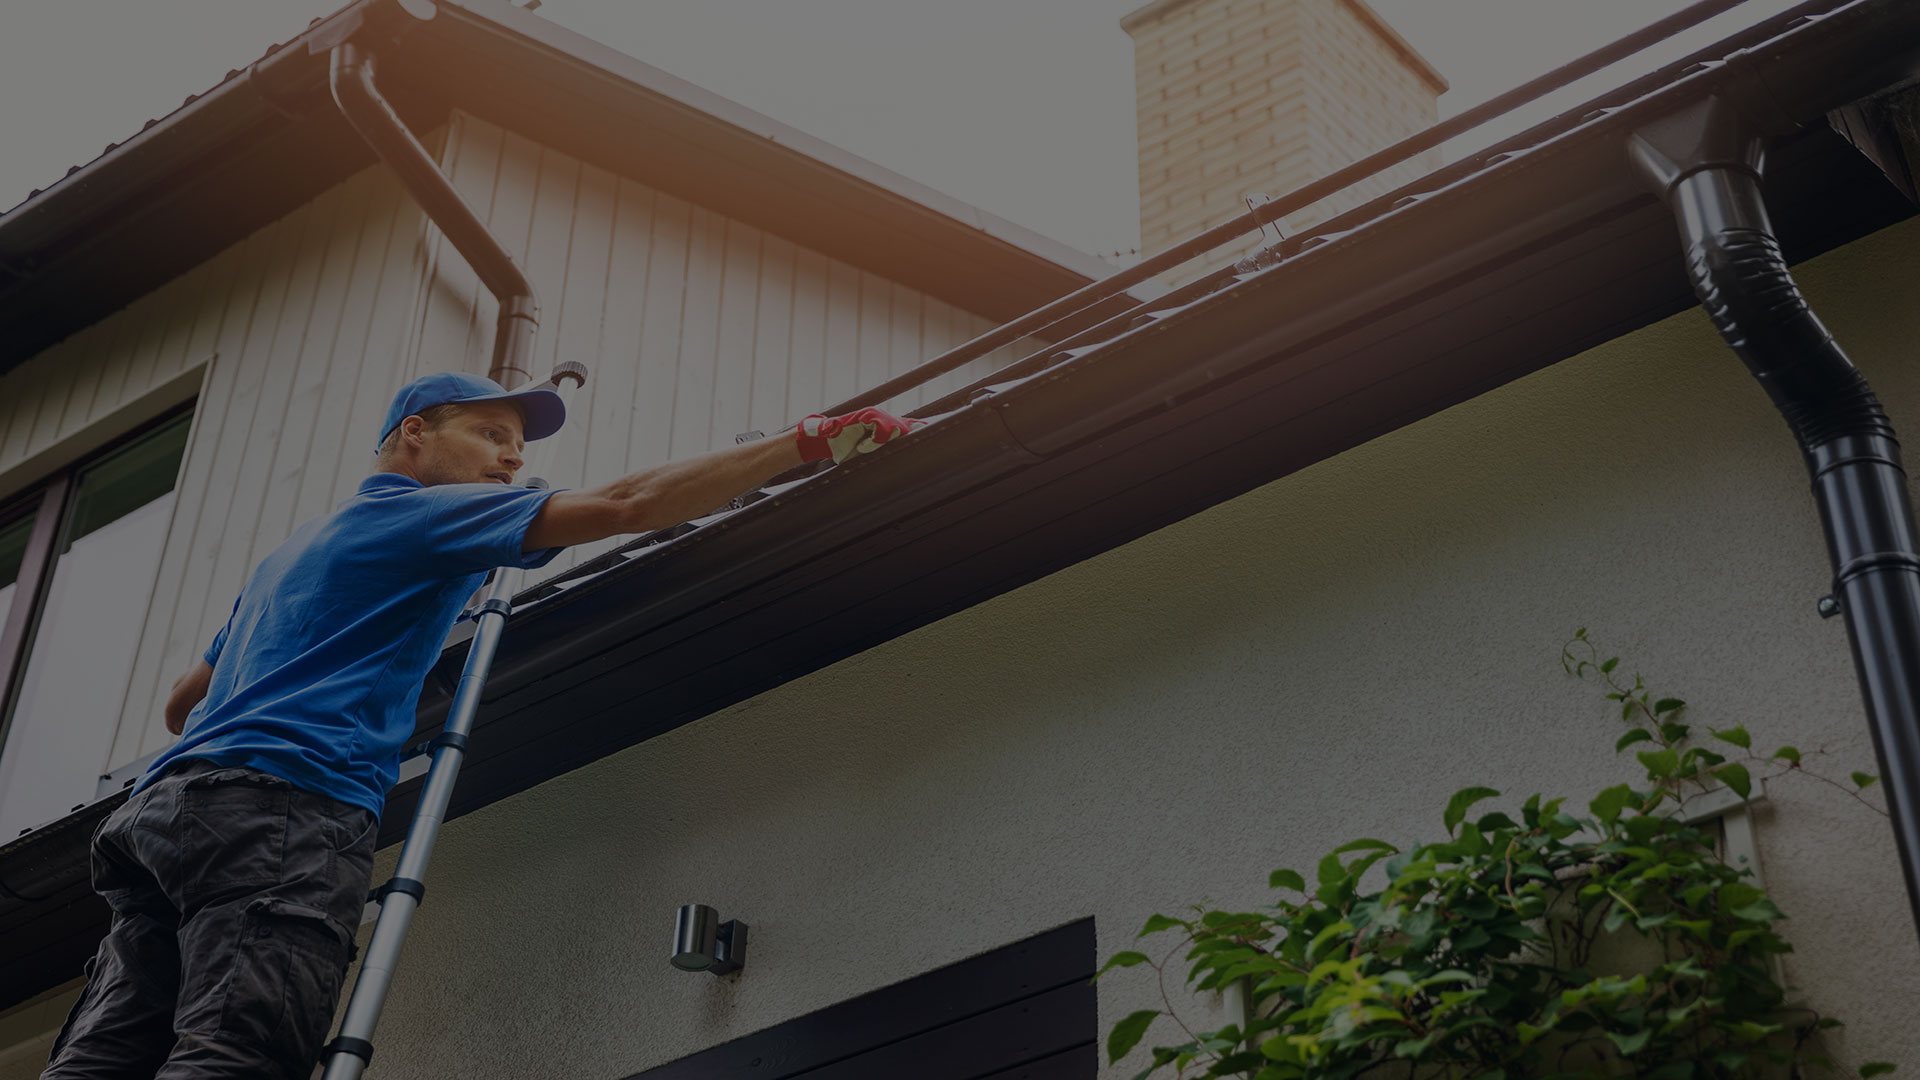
x: 233, y: 832
x: 285, y: 982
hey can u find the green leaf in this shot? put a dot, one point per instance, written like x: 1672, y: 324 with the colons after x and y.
x: 1638, y: 734
x: 1126, y: 1034
x: 1672, y: 732
x: 1462, y: 799
x: 1761, y: 910
x: 1608, y: 804
x: 1364, y: 844
x: 1287, y: 879
x: 1788, y: 753
x: 1631, y: 1044
x: 1660, y: 763
x: 1877, y: 1068
x: 1607, y: 667
x: 1495, y: 820
x: 1243, y: 1062
x: 1735, y: 776
x: 1157, y: 923
x: 1123, y: 959
x: 1667, y: 705
x: 1331, y: 870
x: 1863, y: 780
x: 1737, y: 735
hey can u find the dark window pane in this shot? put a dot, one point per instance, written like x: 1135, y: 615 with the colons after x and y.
x: 13, y: 549
x: 127, y: 479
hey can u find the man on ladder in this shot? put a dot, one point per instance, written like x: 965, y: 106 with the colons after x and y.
x: 238, y: 867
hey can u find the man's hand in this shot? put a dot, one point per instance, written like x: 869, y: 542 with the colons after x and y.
x: 841, y: 437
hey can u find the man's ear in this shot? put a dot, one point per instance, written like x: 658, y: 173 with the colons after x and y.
x: 413, y: 430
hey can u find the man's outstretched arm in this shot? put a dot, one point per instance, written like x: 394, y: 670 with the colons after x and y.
x: 677, y: 491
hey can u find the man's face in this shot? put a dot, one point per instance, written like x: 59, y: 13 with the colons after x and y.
x: 477, y: 444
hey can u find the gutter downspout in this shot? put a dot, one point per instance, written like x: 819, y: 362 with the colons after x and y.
x: 350, y: 75
x: 1706, y: 161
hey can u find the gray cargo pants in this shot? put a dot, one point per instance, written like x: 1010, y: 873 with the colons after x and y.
x: 235, y: 898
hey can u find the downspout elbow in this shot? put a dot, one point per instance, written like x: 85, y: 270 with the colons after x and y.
x: 1709, y: 171
x: 351, y: 78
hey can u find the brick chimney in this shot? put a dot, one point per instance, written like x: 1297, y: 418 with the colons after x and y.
x: 1243, y: 97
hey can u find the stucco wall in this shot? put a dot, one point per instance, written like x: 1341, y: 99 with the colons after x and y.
x: 1327, y: 657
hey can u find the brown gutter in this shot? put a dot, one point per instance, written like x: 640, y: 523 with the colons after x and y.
x: 351, y: 77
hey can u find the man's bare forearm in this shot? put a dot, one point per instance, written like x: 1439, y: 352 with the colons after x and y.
x: 664, y: 495
x: 669, y: 494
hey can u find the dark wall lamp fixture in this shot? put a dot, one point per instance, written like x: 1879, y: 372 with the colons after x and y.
x: 701, y: 942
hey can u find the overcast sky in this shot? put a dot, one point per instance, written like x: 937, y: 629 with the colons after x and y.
x: 1021, y: 107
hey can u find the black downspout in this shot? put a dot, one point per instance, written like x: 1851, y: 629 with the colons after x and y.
x: 351, y: 77
x: 1706, y: 162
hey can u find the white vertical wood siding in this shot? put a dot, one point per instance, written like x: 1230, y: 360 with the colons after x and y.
x: 696, y: 328
x: 299, y: 330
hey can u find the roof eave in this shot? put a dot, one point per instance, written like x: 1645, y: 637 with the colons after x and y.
x: 268, y: 138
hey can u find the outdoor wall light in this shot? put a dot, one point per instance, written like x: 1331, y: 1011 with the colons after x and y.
x: 701, y: 942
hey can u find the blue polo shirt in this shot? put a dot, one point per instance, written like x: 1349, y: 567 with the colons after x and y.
x: 317, y: 673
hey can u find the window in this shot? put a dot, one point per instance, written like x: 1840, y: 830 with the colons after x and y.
x: 78, y: 557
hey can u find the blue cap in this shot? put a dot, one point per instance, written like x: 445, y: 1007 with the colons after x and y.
x: 544, y: 410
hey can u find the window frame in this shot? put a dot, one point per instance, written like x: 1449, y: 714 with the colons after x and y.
x: 47, y: 502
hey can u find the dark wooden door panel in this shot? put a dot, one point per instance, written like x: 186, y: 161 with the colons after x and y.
x: 991, y: 1015
x: 1079, y: 1063
x: 993, y: 1041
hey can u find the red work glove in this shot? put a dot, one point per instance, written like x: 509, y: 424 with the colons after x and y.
x: 841, y: 437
